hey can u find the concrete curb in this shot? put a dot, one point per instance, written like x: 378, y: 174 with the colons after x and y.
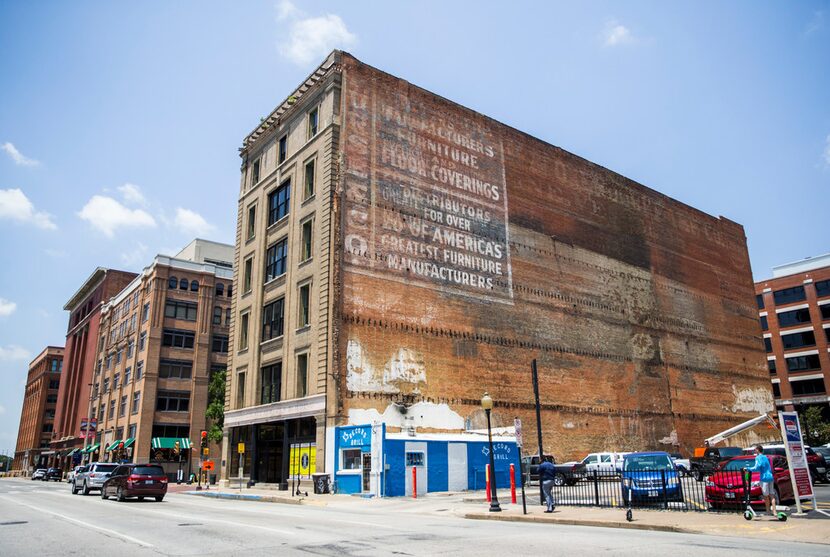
x: 578, y: 522
x: 251, y: 497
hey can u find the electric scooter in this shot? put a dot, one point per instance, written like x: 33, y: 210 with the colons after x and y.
x: 749, y: 513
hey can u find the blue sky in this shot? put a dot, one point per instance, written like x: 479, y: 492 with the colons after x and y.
x: 120, y: 122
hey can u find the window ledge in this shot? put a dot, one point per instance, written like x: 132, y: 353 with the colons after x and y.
x: 308, y: 200
x: 242, y: 352
x: 279, y: 224
x: 303, y: 329
x: 251, y: 239
x: 305, y: 262
x: 275, y: 282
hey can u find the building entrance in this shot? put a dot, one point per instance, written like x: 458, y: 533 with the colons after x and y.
x: 270, y: 452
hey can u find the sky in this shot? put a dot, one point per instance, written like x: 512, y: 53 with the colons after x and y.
x: 120, y: 122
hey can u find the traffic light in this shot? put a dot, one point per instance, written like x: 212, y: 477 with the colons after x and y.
x: 204, y: 439
x: 176, y: 448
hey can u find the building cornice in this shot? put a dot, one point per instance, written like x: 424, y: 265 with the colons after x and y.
x: 276, y: 411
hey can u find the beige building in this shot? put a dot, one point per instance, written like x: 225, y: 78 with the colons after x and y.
x: 160, y: 339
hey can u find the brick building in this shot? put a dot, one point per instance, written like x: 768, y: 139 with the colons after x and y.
x: 84, y: 309
x: 794, y: 309
x: 398, y: 254
x: 37, y: 418
x: 159, y: 340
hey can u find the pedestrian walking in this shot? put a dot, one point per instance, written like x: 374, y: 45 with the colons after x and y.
x: 767, y: 488
x: 547, y: 473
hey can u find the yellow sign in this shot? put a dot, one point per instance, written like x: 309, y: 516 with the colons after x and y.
x: 302, y: 460
x: 206, y: 451
x: 240, y: 448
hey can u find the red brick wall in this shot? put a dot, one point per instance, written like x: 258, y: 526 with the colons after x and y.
x: 639, y: 309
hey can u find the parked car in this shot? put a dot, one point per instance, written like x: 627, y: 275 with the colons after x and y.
x: 824, y: 451
x: 815, y: 460
x: 53, y: 474
x: 70, y: 477
x: 93, y: 477
x: 566, y: 474
x: 77, y: 477
x: 604, y: 463
x: 650, y: 477
x: 136, y: 480
x: 682, y: 464
x: 725, y: 487
x: 39, y: 474
x: 702, y: 466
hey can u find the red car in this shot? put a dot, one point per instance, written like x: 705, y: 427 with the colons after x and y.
x: 136, y: 480
x: 725, y: 487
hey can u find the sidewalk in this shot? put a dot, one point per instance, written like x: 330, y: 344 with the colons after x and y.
x: 733, y: 525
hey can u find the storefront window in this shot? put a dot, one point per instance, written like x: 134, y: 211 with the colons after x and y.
x: 351, y: 459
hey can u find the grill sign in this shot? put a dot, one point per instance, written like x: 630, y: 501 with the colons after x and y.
x: 796, y: 456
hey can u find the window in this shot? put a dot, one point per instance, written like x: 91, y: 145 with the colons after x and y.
x: 119, y: 433
x: 132, y: 322
x: 230, y: 289
x: 787, y: 295
x: 302, y: 375
x: 271, y: 377
x: 128, y: 375
x: 194, y: 285
x: 797, y: 340
x: 283, y: 149
x: 243, y: 330
x: 227, y: 317
x: 808, y: 387
x: 108, y: 361
x: 145, y: 312
x: 353, y: 459
x: 172, y: 282
x: 171, y: 430
x: 173, y: 401
x: 51, y: 399
x: 822, y: 288
x: 111, y: 413
x: 180, y: 310
x: 275, y: 259
x: 132, y: 428
x: 764, y: 323
x: 130, y: 348
x: 313, y: 122
x: 794, y: 317
x: 302, y: 318
x: 115, y: 381
x: 142, y: 341
x: 251, y: 221
x: 139, y: 370
x: 219, y: 343
x: 175, y: 369
x: 118, y: 357
x: 47, y: 428
x: 54, y: 365
x: 272, y: 319
x: 217, y: 315
x: 776, y: 390
x: 220, y: 289
x: 305, y: 246
x: 803, y: 363
x: 772, y: 367
x: 278, y: 202
x: 255, y: 173
x: 122, y: 406
x: 768, y: 344
x: 240, y: 390
x: 308, y: 180
x: 183, y: 284
x: 54, y: 383
x: 106, y: 385
x: 247, y: 274
x: 178, y: 339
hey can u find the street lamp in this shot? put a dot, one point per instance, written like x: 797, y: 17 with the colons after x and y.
x: 487, y: 405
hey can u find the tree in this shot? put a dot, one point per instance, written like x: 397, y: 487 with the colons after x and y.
x: 216, y: 405
x: 816, y: 431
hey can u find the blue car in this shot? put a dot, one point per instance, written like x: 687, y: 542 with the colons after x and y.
x: 650, y: 478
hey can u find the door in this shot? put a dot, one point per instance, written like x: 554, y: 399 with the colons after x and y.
x: 367, y: 472
x: 456, y: 466
x: 606, y: 465
x: 591, y: 462
x: 416, y: 458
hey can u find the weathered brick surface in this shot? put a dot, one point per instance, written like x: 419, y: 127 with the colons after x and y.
x: 639, y: 309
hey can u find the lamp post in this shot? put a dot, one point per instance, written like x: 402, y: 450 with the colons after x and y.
x: 487, y: 405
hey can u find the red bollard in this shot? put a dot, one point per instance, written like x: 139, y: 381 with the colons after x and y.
x: 512, y: 484
x: 487, y: 480
x: 414, y: 482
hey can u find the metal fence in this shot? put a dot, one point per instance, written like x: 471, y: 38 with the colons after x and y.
x: 654, y: 489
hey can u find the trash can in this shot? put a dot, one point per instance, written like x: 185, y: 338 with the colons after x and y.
x: 321, y: 483
x: 213, y: 479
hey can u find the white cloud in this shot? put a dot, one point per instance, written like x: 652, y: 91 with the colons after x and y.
x: 826, y: 154
x: 6, y: 307
x: 17, y: 156
x: 132, y: 194
x: 312, y: 38
x: 13, y: 352
x: 137, y: 256
x: 616, y: 34
x: 15, y: 205
x: 191, y: 223
x: 108, y: 215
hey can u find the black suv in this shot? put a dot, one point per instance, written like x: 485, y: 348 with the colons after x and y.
x: 54, y: 474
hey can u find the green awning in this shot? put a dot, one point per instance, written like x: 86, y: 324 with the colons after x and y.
x: 170, y: 442
x: 112, y: 446
x: 91, y: 448
x: 128, y: 442
x: 73, y: 451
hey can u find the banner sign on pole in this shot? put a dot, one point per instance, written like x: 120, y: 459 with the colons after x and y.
x: 517, y: 426
x: 796, y: 457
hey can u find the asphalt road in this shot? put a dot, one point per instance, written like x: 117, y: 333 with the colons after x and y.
x: 45, y: 519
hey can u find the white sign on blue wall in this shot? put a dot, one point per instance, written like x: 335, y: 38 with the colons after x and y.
x: 355, y: 436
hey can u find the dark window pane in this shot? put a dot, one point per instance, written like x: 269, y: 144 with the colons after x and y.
x: 270, y: 381
x: 183, y: 284
x: 797, y: 340
x: 776, y: 390
x: 764, y: 323
x: 273, y: 319
x: 808, y: 387
x: 173, y: 282
x: 283, y: 150
x: 771, y: 366
x: 768, y: 344
x: 278, y: 202
x: 794, y: 317
x: 275, y: 259
x: 759, y: 299
x: 194, y: 286
x: 787, y: 295
x: 803, y: 363
x: 825, y: 311
x: 823, y: 288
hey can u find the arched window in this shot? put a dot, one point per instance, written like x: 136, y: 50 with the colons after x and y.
x: 194, y: 286
x: 220, y: 289
x: 230, y: 290
x: 173, y: 282
x: 183, y: 284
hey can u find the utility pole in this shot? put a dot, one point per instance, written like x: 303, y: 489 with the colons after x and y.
x: 535, y: 376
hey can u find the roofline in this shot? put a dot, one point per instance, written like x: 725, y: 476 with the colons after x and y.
x: 44, y: 353
x: 797, y: 262
x: 88, y: 286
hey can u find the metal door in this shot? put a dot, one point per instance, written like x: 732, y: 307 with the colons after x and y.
x: 367, y: 472
x: 416, y: 457
x: 456, y: 466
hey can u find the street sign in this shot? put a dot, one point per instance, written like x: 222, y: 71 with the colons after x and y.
x: 517, y: 425
x: 240, y: 448
x: 796, y: 458
x: 207, y: 465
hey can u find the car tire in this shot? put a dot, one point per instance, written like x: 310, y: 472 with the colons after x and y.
x: 85, y: 489
x: 74, y: 489
x: 159, y: 498
x: 119, y: 494
x: 559, y: 479
x: 140, y: 498
x: 104, y: 494
x: 698, y: 475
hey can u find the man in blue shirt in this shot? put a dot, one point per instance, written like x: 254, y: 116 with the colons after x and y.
x: 767, y: 480
x: 547, y: 473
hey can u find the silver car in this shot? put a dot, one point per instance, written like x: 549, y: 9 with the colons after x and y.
x: 93, y: 477
x: 39, y: 474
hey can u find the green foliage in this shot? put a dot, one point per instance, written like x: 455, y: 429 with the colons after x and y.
x: 215, y: 412
x: 814, y: 427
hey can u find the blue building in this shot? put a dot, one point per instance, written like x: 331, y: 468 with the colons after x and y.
x: 368, y: 459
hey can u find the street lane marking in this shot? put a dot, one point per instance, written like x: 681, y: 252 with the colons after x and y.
x: 81, y: 522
